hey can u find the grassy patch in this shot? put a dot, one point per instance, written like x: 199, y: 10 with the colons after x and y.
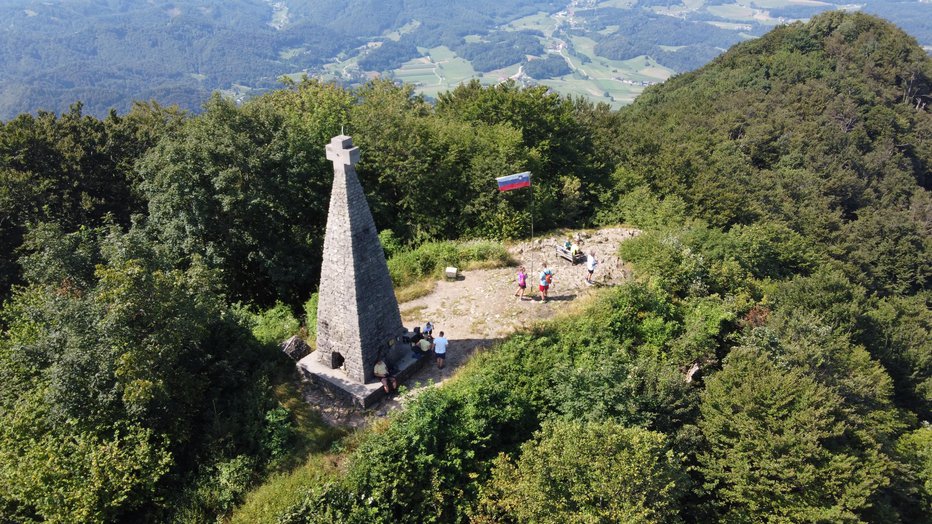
x: 413, y: 312
x: 418, y: 80
x: 498, y: 75
x: 414, y: 271
x: 415, y: 290
x: 311, y: 434
x: 442, y: 71
x: 441, y: 53
x: 539, y: 22
x: 456, y: 70
x: 732, y: 12
x: 284, y: 490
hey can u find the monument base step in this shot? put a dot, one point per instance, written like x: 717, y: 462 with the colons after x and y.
x: 363, y: 395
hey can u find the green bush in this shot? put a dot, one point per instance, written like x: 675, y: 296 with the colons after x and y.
x: 390, y: 242
x: 437, y: 449
x: 706, y: 322
x: 272, y: 326
x: 429, y: 260
x: 310, y: 319
x: 278, y: 432
x: 828, y: 294
x: 668, y: 262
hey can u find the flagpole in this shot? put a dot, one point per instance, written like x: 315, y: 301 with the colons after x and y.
x: 516, y: 181
x: 532, y: 211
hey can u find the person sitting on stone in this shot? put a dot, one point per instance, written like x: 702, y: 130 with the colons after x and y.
x: 416, y: 337
x: 423, y: 347
x: 429, y: 329
x: 382, y: 371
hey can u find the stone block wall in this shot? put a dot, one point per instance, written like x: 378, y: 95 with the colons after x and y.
x: 357, y: 314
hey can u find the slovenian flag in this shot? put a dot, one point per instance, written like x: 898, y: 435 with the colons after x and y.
x: 507, y: 183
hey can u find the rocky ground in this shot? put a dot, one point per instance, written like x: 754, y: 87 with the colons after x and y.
x: 479, y: 309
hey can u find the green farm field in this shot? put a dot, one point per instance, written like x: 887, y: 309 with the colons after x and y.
x: 616, y: 82
x: 540, y: 22
x: 621, y: 4
x: 773, y: 4
x: 439, y: 70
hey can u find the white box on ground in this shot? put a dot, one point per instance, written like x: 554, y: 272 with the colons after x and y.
x: 451, y: 273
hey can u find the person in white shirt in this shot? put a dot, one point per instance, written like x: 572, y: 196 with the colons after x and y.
x: 440, y: 350
x: 591, y: 262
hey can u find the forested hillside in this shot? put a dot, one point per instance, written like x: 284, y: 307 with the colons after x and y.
x: 151, y: 260
x: 107, y: 53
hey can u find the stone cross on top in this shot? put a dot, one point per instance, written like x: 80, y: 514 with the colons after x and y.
x: 341, y: 152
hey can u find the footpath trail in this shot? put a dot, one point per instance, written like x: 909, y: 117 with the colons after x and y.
x: 479, y: 309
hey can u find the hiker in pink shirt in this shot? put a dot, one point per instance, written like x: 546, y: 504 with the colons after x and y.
x: 522, y: 283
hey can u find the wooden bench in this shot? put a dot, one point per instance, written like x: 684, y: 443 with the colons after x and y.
x: 567, y: 255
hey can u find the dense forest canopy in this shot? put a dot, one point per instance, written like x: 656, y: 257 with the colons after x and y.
x: 152, y: 259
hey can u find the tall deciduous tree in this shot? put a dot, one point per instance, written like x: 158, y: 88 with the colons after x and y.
x: 779, y: 446
x: 238, y: 189
x: 73, y: 170
x: 109, y: 382
x: 587, y: 472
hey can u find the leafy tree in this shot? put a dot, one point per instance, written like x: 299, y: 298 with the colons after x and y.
x: 115, y: 386
x: 73, y: 170
x: 916, y: 449
x: 587, y: 472
x: 828, y: 295
x: 899, y: 335
x: 54, y: 471
x: 632, y: 391
x: 236, y: 189
x: 415, y: 163
x: 778, y: 446
x: 558, y: 145
x: 888, y: 253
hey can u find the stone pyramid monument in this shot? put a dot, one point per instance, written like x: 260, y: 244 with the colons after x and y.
x: 357, y: 313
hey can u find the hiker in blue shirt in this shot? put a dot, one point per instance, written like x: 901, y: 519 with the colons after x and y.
x: 546, y: 280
